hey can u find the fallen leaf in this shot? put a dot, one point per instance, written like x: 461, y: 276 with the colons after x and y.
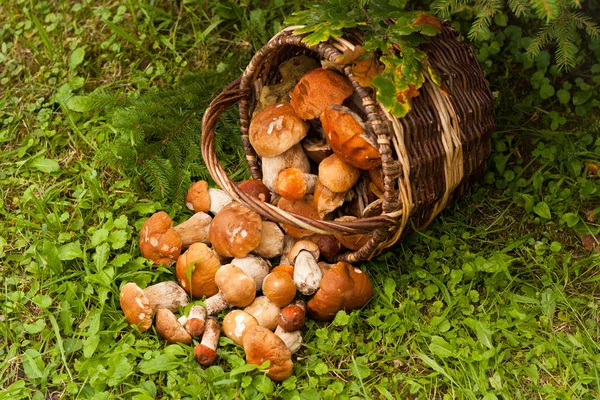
x: 591, y: 242
x: 592, y: 168
x: 590, y: 215
x: 407, y: 94
x: 365, y: 70
x: 425, y: 19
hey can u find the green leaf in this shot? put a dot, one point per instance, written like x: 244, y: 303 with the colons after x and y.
x: 341, y: 319
x: 33, y: 364
x: 243, y: 369
x: 563, y: 96
x: 163, y: 362
x: 44, y: 164
x: 440, y: 347
x: 70, y: 251
x: 581, y: 97
x: 118, y: 238
x: 546, y: 91
x: 571, y: 219
x: 542, y: 210
x: 359, y: 368
x: 77, y: 57
x: 99, y: 236
x: 36, y: 327
x: 101, y: 256
x: 80, y: 104
x: 484, y: 334
x: 321, y: 368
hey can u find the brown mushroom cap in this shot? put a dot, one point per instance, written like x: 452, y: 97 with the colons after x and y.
x: 316, y: 149
x: 305, y: 207
x: 136, y: 307
x: 235, y: 231
x: 336, y: 175
x: 328, y: 245
x: 292, y: 317
x: 279, y: 287
x: 343, y: 287
x: 265, y: 311
x: 235, y: 324
x: 196, y: 199
x: 260, y: 344
x: 275, y: 129
x: 256, y: 188
x: 238, y: 289
x: 288, y: 269
x: 158, y: 240
x: 327, y: 201
x: 349, y: 139
x: 317, y: 90
x: 352, y: 242
x: 168, y: 327
x: 204, y: 355
x: 376, y: 177
x: 204, y: 264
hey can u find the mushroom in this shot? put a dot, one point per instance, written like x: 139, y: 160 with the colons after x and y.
x: 328, y: 245
x: 288, y: 269
x: 196, y: 320
x: 318, y: 89
x: 279, y: 287
x: 260, y: 344
x: 136, y: 307
x: 327, y: 201
x: 336, y: 175
x: 168, y: 327
x: 307, y: 274
x: 275, y: 129
x: 292, y: 340
x: 194, y: 229
x: 206, y: 351
x: 271, y: 241
x: 235, y: 231
x: 196, y: 198
x: 294, y: 184
x: 235, y: 323
x: 349, y: 138
x: 376, y: 178
x: 291, y: 318
x: 166, y: 294
x: 255, y: 188
x: 237, y: 288
x: 255, y: 267
x: 200, y: 281
x: 294, y: 157
x: 158, y: 240
x: 353, y: 242
x: 265, y: 311
x: 218, y: 200
x: 343, y: 287
x: 316, y: 149
x: 304, y: 207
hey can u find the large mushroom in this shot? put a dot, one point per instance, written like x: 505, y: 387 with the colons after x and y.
x: 194, y: 229
x: 343, y: 287
x: 235, y: 231
x: 169, y: 328
x: 159, y: 242
x: 260, y: 344
x: 317, y: 90
x: 265, y: 311
x: 196, y: 269
x: 275, y: 130
x: 349, y: 138
x: 336, y: 175
x: 235, y: 324
x: 279, y: 287
x: 271, y: 241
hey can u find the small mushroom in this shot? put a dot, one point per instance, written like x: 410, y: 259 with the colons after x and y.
x: 291, y: 318
x: 136, y: 307
x: 260, y: 344
x: 343, y: 287
x: 327, y: 201
x: 279, y: 287
x: 349, y: 137
x: 328, y: 245
x: 238, y: 289
x: 168, y: 327
x: 255, y: 188
x: 352, y: 242
x: 294, y: 184
x: 195, y: 320
x: 204, y: 264
x: 271, y: 241
x: 235, y: 324
x: 255, y: 267
x: 206, y: 351
x: 304, y: 207
x: 158, y: 240
x: 275, y: 129
x: 196, y: 198
x: 318, y: 89
x: 235, y: 231
x: 194, y: 229
x: 336, y: 175
x: 293, y: 340
x: 294, y: 157
x: 307, y: 274
x: 265, y: 311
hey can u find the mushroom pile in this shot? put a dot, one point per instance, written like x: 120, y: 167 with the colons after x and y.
x: 224, y: 256
x: 318, y: 157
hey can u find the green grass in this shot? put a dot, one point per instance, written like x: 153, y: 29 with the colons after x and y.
x: 496, y: 299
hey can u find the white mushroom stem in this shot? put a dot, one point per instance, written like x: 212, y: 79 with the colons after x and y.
x: 307, y: 274
x: 216, y: 304
x: 195, y: 229
x: 218, y: 200
x: 182, y: 320
x: 195, y: 323
x: 210, y: 337
x: 255, y: 267
x: 292, y: 158
x: 166, y: 294
x: 271, y: 241
x: 293, y: 340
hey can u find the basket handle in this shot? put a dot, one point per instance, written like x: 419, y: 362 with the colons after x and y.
x: 228, y: 97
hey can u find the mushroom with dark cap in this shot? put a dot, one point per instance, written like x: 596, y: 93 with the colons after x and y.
x: 352, y: 242
x: 304, y: 207
x: 204, y: 265
x: 343, y: 287
x: 260, y: 344
x: 291, y: 318
x: 168, y: 327
x: 206, y: 351
x: 235, y: 231
x: 158, y: 240
x: 257, y: 189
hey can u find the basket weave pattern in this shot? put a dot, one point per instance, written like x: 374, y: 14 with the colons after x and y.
x: 431, y: 155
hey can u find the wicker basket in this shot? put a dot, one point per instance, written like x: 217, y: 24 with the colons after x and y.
x: 429, y: 156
